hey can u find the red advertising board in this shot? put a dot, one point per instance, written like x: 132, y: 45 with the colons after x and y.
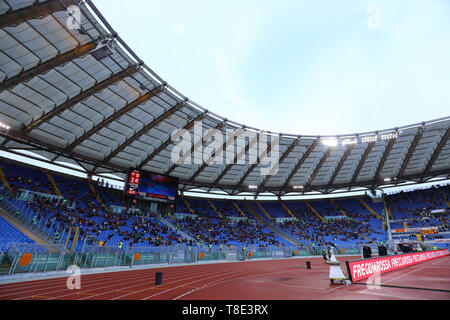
x: 363, y: 269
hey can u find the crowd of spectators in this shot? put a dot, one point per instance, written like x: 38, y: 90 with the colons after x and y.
x: 225, y: 232
x: 26, y: 181
x: 79, y: 207
x: 202, y: 208
x: 83, y: 211
x: 415, y: 207
x: 226, y: 208
x: 150, y: 232
x: 348, y: 229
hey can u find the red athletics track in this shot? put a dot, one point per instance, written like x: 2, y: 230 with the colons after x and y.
x: 286, y: 279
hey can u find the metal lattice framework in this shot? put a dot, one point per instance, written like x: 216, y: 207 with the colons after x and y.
x: 79, y: 95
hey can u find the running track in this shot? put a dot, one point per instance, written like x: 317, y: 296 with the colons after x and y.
x: 286, y: 279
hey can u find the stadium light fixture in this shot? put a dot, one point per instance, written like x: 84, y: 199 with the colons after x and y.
x: 387, y: 179
x: 103, y: 50
x: 330, y: 142
x: 349, y: 141
x: 298, y: 187
x: 389, y: 136
x: 4, y: 126
x: 253, y: 187
x: 369, y: 139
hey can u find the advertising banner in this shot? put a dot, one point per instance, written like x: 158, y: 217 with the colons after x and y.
x: 446, y: 240
x: 429, y: 231
x: 363, y: 269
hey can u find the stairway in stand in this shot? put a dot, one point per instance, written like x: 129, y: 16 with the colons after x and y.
x: 270, y: 225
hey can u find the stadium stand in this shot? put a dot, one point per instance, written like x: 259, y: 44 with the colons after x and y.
x: 10, y: 235
x: 348, y: 222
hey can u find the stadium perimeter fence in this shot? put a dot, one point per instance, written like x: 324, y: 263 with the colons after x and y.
x: 34, y: 258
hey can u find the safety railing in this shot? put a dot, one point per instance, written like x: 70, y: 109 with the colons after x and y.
x: 33, y: 258
x: 197, y: 254
x: 45, y: 226
x: 373, y: 248
x: 25, y: 258
x: 276, y: 252
x: 32, y: 220
x: 267, y: 252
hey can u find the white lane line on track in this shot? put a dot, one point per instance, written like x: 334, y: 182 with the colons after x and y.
x: 112, y: 276
x: 93, y: 281
x: 179, y: 276
x: 245, y: 277
x: 259, y: 268
x: 197, y: 288
x: 401, y: 276
x: 188, y: 283
x: 433, y: 263
x: 90, y: 276
x: 45, y: 283
x: 98, y: 279
x: 390, y: 295
x: 436, y: 262
x: 114, y: 279
x: 277, y: 267
x: 100, y: 275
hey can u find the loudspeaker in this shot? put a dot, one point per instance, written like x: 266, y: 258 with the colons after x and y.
x: 308, y: 265
x: 367, y: 252
x: 382, y: 251
x: 158, y: 278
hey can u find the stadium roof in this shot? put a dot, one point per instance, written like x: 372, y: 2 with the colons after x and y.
x: 72, y: 91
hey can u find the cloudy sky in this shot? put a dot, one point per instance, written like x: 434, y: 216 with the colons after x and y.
x: 301, y: 67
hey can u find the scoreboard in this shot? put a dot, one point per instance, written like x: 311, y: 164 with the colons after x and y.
x: 133, y: 182
x: 146, y: 185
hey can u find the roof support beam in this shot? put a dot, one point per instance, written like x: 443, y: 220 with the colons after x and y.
x: 30, y: 142
x: 437, y: 151
x: 253, y: 166
x: 285, y: 154
x: 388, y: 149
x: 44, y: 67
x: 36, y: 10
x: 166, y: 143
x: 195, y: 147
x: 299, y: 163
x: 115, y: 116
x: 361, y: 163
x: 236, y: 158
x: 317, y: 168
x: 57, y: 152
x: 411, y: 150
x: 341, y: 163
x: 211, y: 158
x: 144, y: 130
x: 77, y: 99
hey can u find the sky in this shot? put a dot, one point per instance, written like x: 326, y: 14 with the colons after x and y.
x: 297, y: 67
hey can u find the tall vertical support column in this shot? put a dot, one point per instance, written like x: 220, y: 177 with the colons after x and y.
x: 390, y: 241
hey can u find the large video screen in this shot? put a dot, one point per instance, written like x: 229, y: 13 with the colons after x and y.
x: 151, y: 186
